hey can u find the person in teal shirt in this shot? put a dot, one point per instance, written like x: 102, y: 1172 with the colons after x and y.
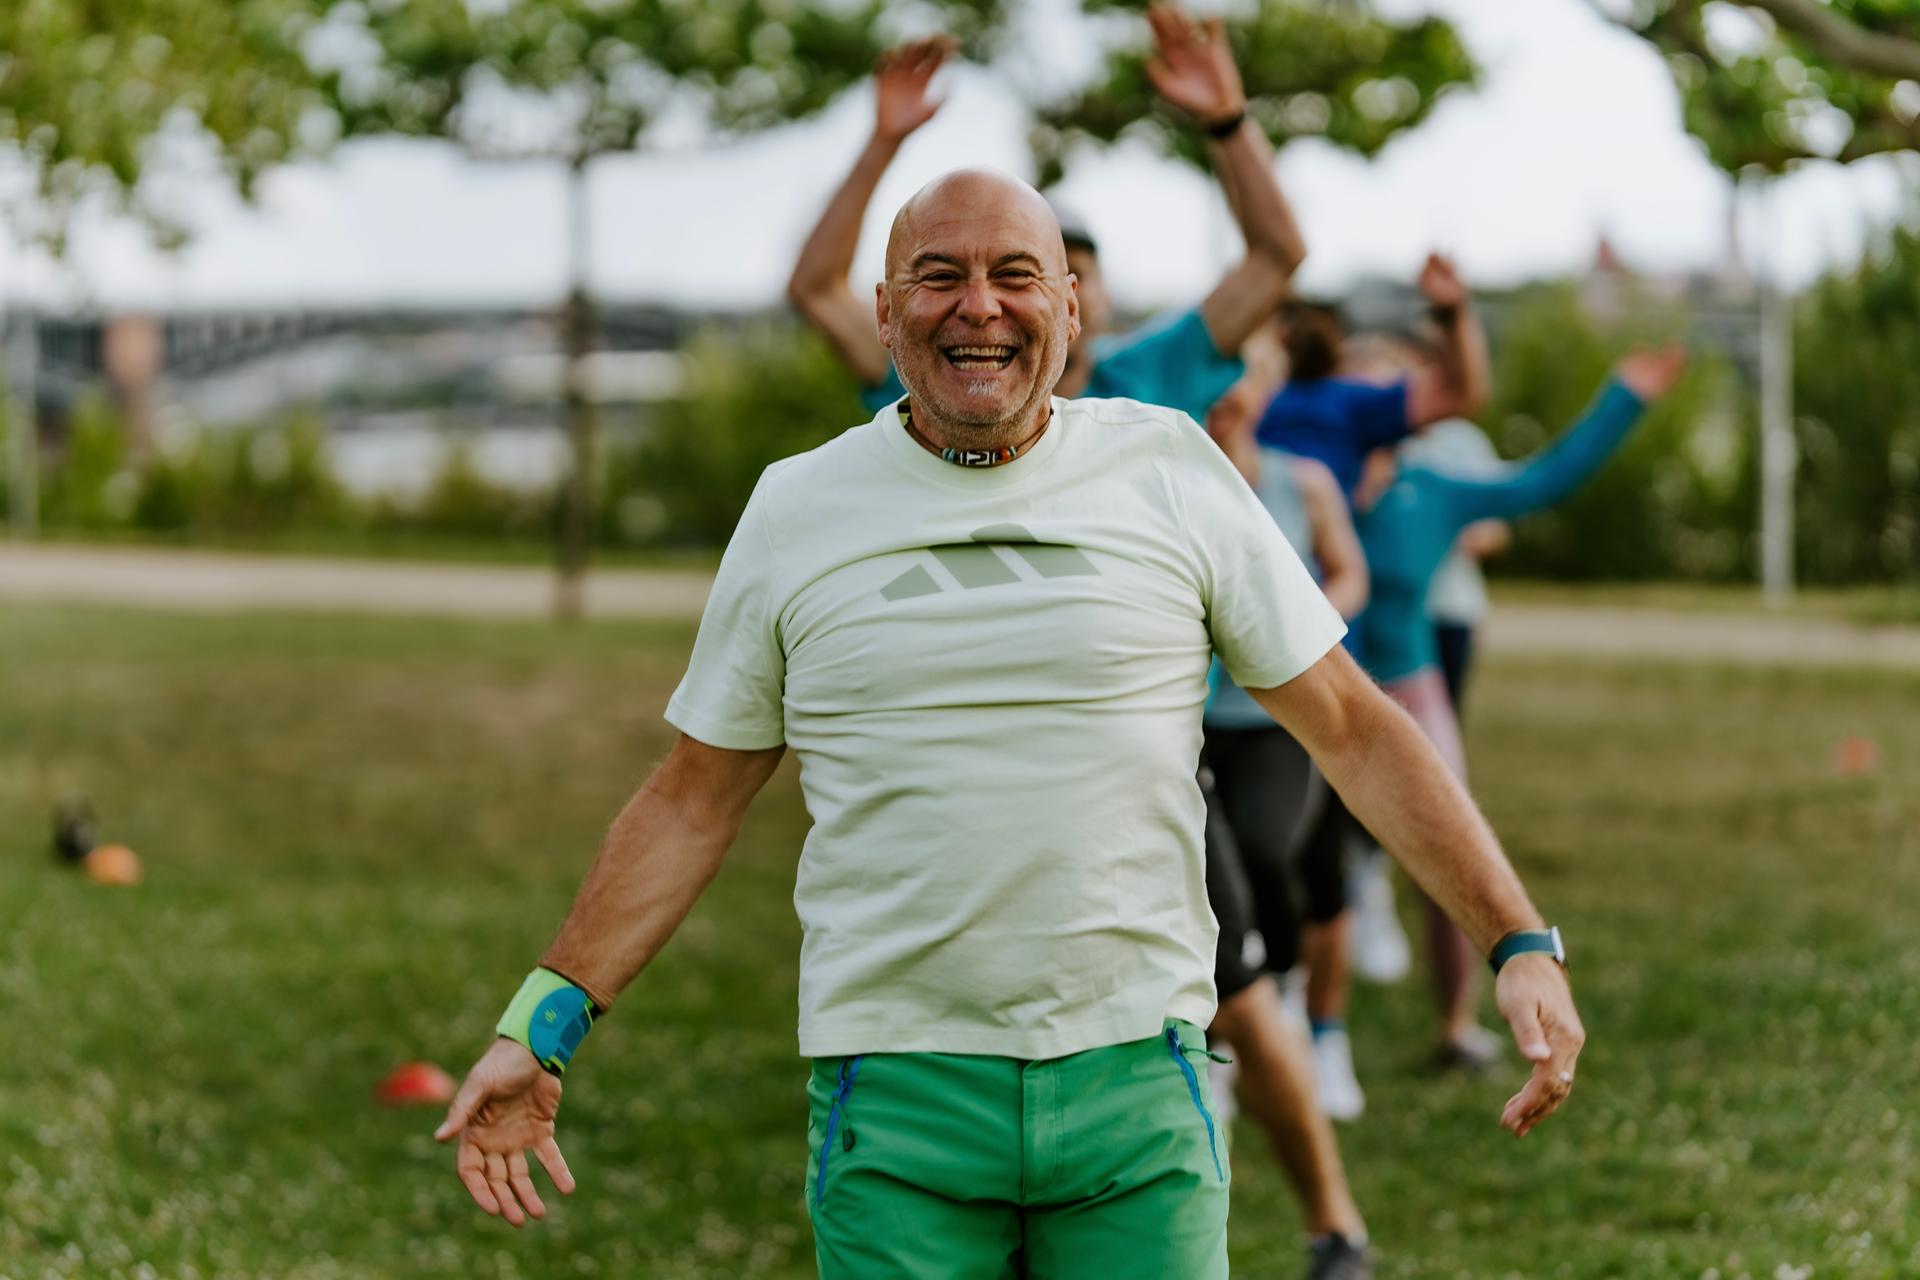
x: 1183, y: 361
x: 1407, y: 531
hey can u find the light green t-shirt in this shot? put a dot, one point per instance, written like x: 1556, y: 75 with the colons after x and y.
x: 993, y: 680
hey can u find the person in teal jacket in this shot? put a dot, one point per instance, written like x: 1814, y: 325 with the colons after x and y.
x: 1407, y: 531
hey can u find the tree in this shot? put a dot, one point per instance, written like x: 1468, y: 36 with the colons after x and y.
x: 574, y: 80
x: 1313, y: 68
x: 1766, y: 83
x: 87, y: 88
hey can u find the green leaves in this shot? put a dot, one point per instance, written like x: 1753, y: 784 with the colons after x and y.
x: 1770, y: 82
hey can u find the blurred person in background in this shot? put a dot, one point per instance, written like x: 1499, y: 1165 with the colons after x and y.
x: 1264, y: 798
x: 1329, y: 411
x: 1184, y: 360
x: 1007, y: 951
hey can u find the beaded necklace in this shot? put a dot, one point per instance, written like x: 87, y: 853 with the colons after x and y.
x: 969, y: 457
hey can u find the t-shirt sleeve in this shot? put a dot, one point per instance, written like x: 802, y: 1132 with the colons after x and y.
x: 1170, y: 362
x: 732, y: 694
x: 1266, y: 615
x: 884, y: 392
x: 1378, y: 415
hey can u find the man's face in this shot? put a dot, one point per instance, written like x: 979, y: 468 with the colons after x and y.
x: 1096, y: 305
x: 978, y: 307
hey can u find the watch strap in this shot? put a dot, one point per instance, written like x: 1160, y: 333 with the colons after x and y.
x: 550, y: 1016
x: 1522, y: 941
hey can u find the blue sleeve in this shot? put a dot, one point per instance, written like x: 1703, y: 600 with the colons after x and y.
x: 883, y: 393
x: 1378, y: 414
x: 1172, y: 363
x: 1554, y: 472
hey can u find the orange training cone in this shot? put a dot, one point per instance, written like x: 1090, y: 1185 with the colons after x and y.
x: 415, y: 1084
x: 111, y: 864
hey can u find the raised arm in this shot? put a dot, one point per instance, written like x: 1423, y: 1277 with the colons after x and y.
x: 659, y: 854
x: 1195, y: 72
x: 1336, y: 547
x: 1459, y: 386
x: 818, y: 288
x: 1396, y: 784
x: 1557, y: 470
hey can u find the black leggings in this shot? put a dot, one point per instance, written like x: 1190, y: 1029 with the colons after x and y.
x: 1271, y: 819
x: 1456, y: 658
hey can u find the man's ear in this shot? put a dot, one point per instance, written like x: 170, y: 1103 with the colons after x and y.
x: 883, y: 314
x: 1073, y: 306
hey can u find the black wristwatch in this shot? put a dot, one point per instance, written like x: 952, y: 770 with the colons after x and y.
x: 1521, y: 942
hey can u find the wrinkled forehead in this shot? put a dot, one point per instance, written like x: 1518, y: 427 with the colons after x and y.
x: 976, y: 225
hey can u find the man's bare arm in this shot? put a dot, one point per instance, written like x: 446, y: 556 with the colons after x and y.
x: 1397, y: 785
x: 1194, y: 71
x: 1460, y: 386
x: 818, y: 288
x: 1336, y: 545
x: 660, y: 853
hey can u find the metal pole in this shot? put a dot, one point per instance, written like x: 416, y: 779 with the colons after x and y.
x: 1777, y: 450
x: 23, y: 429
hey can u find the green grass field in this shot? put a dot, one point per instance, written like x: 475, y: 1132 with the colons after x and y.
x: 359, y: 833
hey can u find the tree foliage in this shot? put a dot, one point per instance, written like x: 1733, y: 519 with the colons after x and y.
x: 1313, y: 68
x: 85, y: 89
x: 1767, y: 82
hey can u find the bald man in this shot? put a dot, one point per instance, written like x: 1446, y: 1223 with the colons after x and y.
x: 1184, y: 360
x: 983, y: 621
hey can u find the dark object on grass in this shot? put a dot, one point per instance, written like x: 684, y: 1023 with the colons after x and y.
x: 74, y: 833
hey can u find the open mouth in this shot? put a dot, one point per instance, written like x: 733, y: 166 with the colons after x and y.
x: 981, y: 357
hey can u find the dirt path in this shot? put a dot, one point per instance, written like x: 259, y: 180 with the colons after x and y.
x: 222, y: 581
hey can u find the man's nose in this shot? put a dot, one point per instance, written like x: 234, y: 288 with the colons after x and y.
x: 980, y: 303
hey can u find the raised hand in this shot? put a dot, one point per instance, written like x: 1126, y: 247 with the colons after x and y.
x: 1534, y: 998
x: 505, y: 1108
x: 1650, y: 372
x: 1193, y: 68
x: 900, y: 80
x: 1440, y: 284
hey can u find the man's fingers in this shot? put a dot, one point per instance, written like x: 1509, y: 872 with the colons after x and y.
x: 1528, y: 1034
x: 547, y: 1151
x: 460, y: 1110
x: 1543, y: 1094
x: 471, y: 1167
x: 522, y: 1183
x: 502, y: 1191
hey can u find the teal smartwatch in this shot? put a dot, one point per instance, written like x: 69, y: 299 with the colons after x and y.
x: 550, y: 1016
x: 1525, y: 940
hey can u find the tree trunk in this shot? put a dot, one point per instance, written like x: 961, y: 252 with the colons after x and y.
x: 23, y: 428
x: 580, y: 323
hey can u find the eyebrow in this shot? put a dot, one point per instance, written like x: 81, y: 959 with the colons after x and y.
x: 1017, y: 256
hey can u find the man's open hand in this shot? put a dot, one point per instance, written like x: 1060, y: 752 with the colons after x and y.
x: 505, y: 1108
x: 1440, y: 283
x: 1537, y: 1003
x: 1193, y: 68
x: 901, y: 101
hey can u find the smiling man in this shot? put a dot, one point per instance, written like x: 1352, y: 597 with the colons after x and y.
x: 983, y: 621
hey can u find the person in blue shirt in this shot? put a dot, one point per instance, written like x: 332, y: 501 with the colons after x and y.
x: 1407, y: 526
x: 1185, y: 361
x: 1338, y: 420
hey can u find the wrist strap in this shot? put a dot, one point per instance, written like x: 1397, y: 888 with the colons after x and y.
x: 1221, y: 130
x: 550, y: 1016
x: 1524, y: 941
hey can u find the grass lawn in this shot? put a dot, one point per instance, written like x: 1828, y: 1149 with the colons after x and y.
x: 359, y: 833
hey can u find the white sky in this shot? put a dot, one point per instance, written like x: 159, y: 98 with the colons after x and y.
x: 1575, y: 132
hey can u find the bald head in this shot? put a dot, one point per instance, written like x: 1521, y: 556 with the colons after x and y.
x: 978, y: 308
x: 980, y: 201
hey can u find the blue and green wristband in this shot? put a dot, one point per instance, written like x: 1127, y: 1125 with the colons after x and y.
x: 550, y: 1016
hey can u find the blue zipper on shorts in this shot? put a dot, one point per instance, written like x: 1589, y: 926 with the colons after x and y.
x: 849, y: 1068
x: 1179, y: 1052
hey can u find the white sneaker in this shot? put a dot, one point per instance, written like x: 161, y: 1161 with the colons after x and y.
x: 1381, y: 953
x: 1339, y: 1088
x: 1292, y: 989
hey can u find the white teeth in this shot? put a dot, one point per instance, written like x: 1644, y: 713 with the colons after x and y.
x: 986, y: 353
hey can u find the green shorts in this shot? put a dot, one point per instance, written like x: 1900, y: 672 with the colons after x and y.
x: 934, y: 1166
